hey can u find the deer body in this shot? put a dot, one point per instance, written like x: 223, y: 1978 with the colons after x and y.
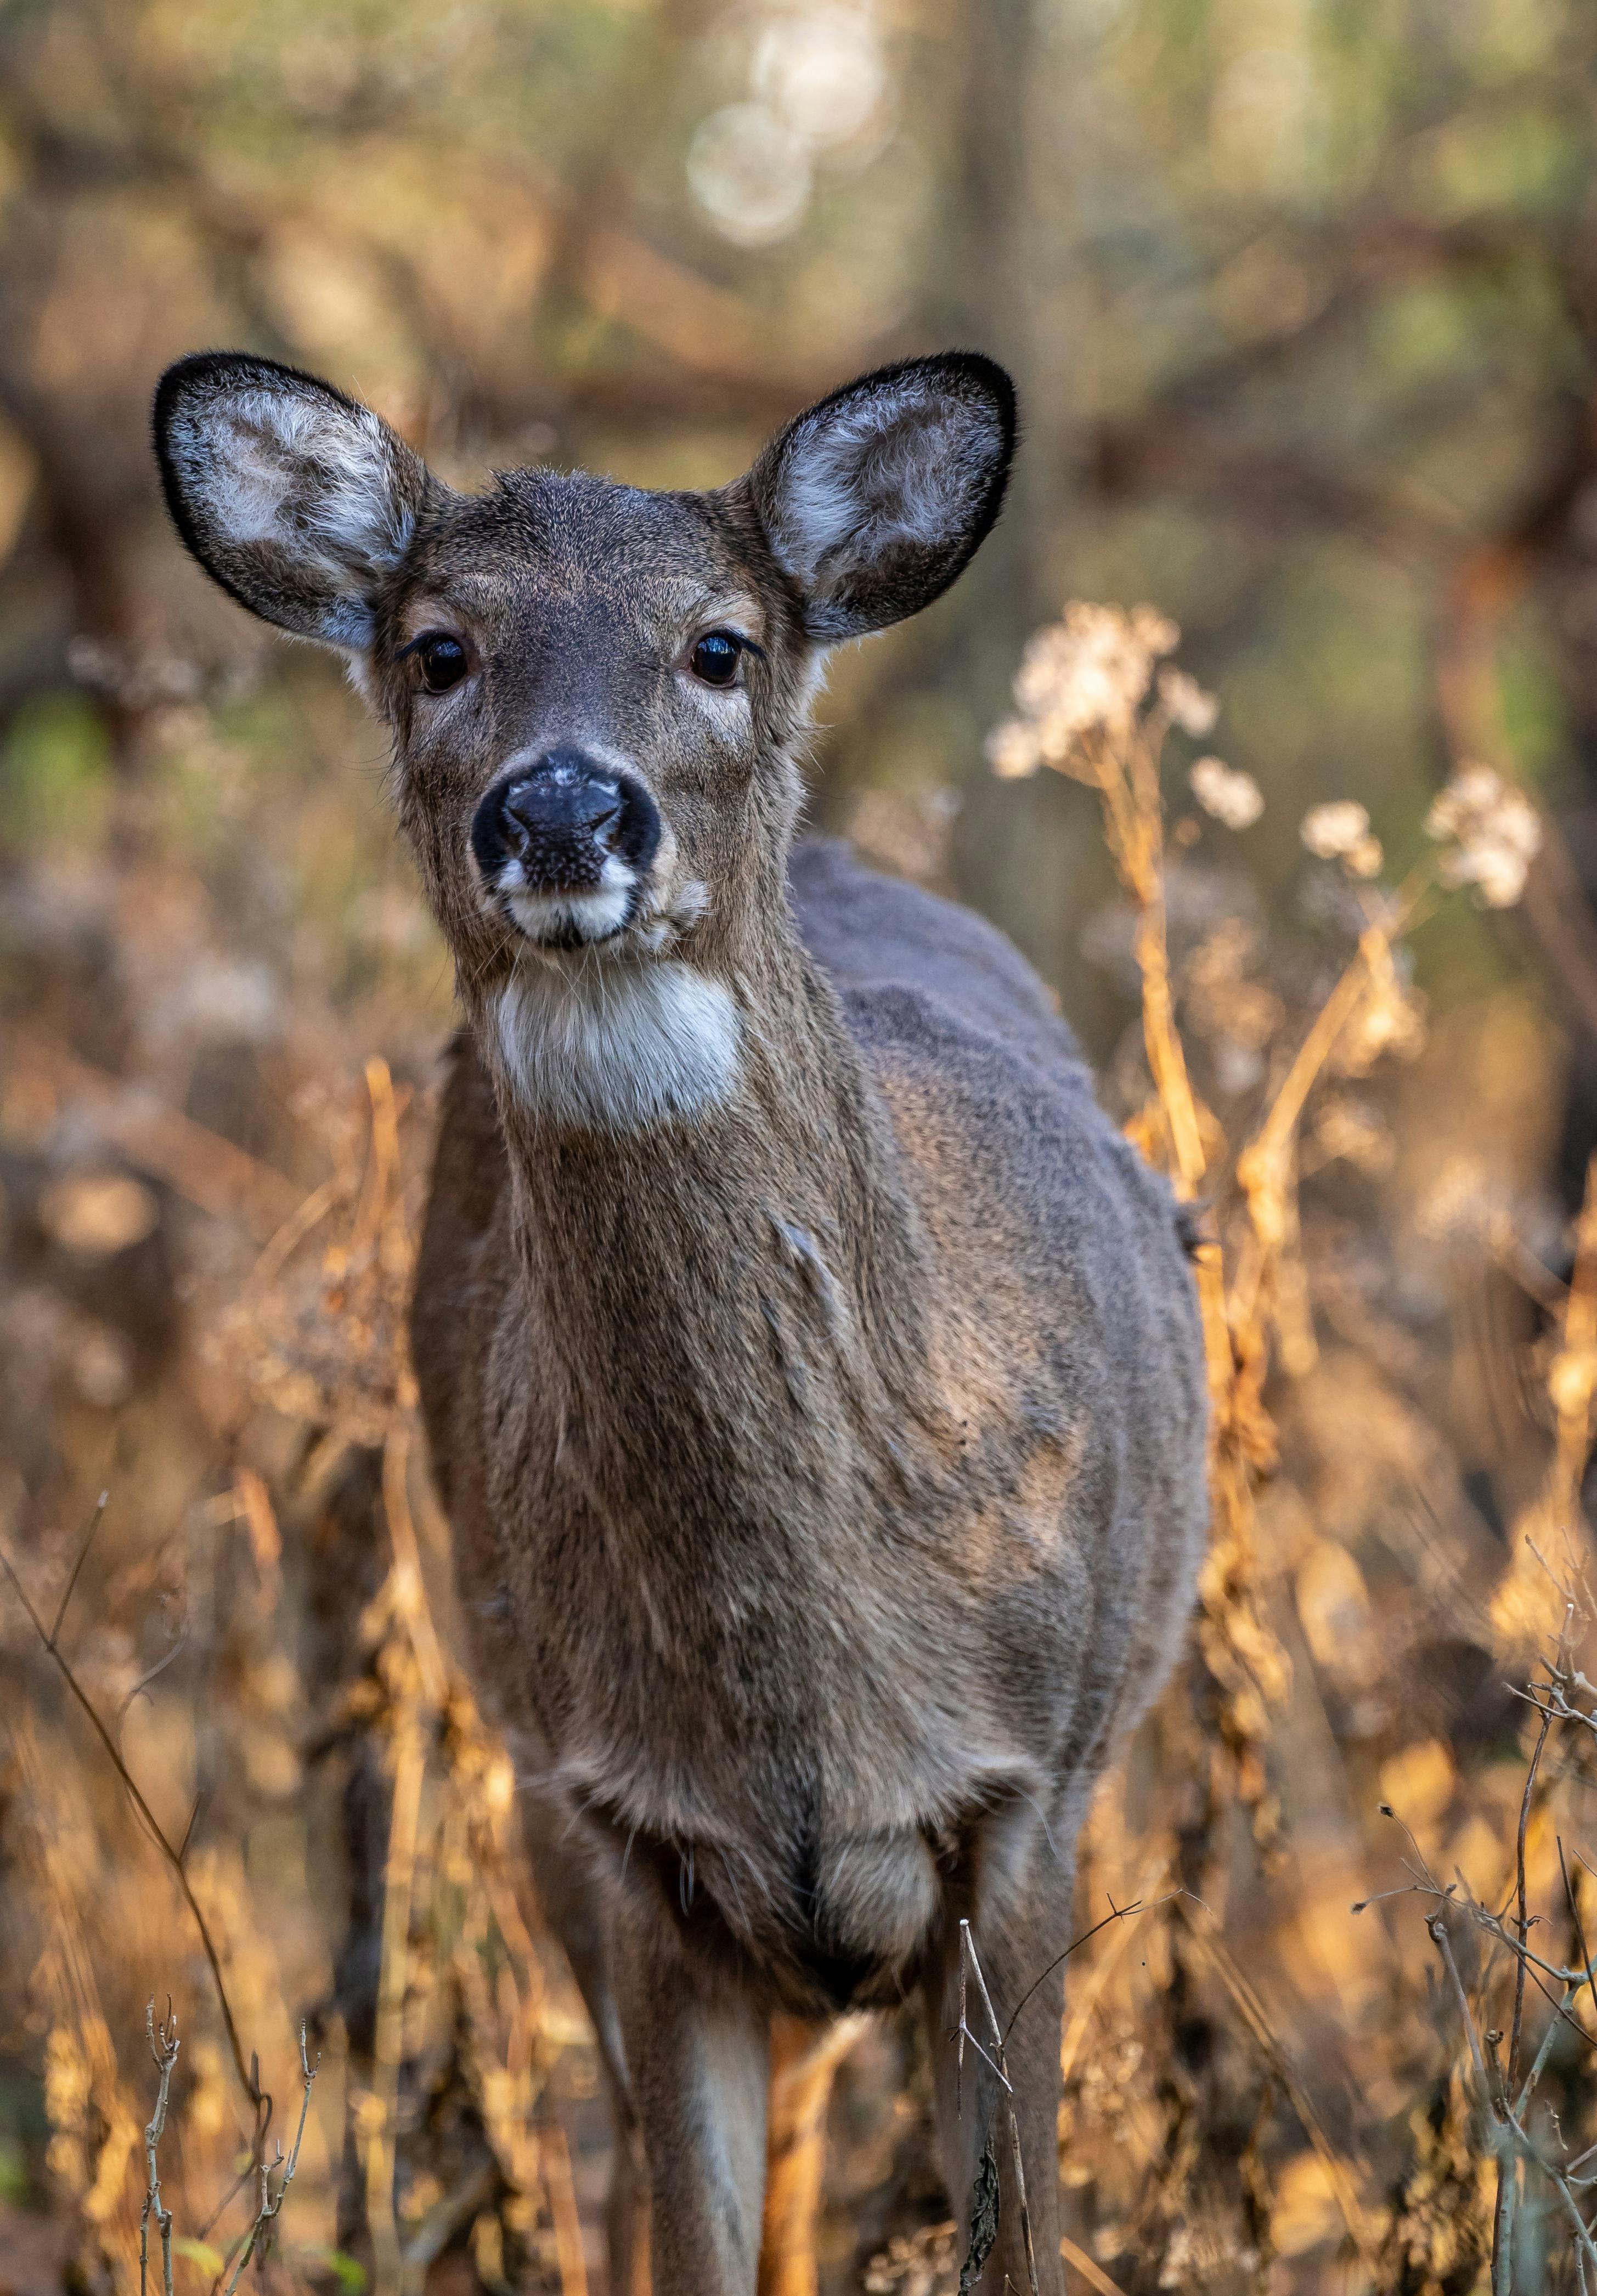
x: 884, y: 1530
x: 811, y: 1374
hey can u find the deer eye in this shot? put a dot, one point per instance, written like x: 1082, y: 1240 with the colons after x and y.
x: 442, y: 660
x: 715, y: 659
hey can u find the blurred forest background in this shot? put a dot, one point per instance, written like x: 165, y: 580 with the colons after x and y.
x: 1301, y: 295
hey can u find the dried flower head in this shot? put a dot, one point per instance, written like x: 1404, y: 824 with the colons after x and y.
x: 1186, y: 702
x: 1334, y: 831
x: 1014, y: 748
x: 1493, y: 831
x: 1231, y: 795
x: 1091, y: 670
x: 1154, y: 630
x: 1086, y: 673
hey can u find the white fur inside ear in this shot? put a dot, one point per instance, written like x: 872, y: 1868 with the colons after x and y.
x: 616, y: 1047
x: 906, y: 465
x: 307, y: 476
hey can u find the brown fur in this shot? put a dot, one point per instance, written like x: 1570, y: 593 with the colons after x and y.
x: 824, y: 1464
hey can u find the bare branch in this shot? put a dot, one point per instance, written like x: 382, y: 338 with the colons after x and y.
x: 271, y: 2203
x: 163, y: 2049
x: 968, y: 1947
x: 248, y: 2077
x: 88, y: 1540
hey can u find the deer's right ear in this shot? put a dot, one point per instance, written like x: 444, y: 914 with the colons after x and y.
x: 296, y: 499
x: 874, y: 500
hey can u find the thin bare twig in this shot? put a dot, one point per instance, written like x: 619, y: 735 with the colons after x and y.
x: 271, y: 2203
x: 95, y: 1519
x: 968, y: 1956
x: 1522, y: 1916
x: 249, y: 2079
x: 142, y: 1685
x: 163, y: 2048
x: 1116, y: 1914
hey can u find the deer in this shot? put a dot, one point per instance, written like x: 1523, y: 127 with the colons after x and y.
x: 812, y: 1372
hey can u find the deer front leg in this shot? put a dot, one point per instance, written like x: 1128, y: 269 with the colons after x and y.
x: 1018, y: 1926
x: 698, y: 2055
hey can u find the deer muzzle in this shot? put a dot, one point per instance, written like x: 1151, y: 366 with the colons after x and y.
x: 563, y: 846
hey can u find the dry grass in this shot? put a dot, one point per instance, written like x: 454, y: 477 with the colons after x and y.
x: 1265, y: 2090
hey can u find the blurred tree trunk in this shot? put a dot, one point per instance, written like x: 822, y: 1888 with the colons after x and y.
x: 1029, y: 854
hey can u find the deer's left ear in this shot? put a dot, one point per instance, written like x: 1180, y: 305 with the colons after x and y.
x: 300, y: 501
x: 874, y: 500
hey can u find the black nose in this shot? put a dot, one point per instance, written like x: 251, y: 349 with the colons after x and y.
x: 562, y: 818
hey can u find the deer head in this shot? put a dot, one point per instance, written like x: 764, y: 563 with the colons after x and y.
x: 596, y: 692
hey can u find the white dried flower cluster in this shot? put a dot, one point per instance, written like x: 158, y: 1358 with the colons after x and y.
x: 1329, y: 829
x: 1231, y: 795
x: 1493, y: 830
x: 1185, y: 703
x: 1086, y: 673
x: 1340, y: 831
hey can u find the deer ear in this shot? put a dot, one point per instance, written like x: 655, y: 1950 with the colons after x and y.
x: 297, y: 500
x: 878, y: 497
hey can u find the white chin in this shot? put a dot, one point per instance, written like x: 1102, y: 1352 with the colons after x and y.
x: 561, y: 920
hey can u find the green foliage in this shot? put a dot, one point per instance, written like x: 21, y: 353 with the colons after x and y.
x: 210, y: 2261
x: 347, y: 2270
x: 54, y: 772
x: 13, y: 2173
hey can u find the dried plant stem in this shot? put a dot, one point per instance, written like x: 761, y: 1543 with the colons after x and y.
x: 383, y: 1162
x: 1509, y: 2140
x: 1128, y: 789
x: 1572, y: 1378
x: 1264, y: 1166
x: 410, y: 1765
x: 1252, y: 2012
x: 395, y: 2269
x: 1522, y: 1915
x: 1166, y: 1060
x: 175, y: 1858
x: 280, y: 1248
x: 970, y: 1960
x: 1241, y: 1653
x: 409, y: 1588
x: 556, y: 2162
x: 1167, y: 1066
x: 1091, y: 2272
x: 163, y: 2048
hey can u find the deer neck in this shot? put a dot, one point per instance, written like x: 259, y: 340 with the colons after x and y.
x: 773, y: 1213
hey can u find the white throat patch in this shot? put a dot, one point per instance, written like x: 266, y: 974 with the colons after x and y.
x: 616, y: 1047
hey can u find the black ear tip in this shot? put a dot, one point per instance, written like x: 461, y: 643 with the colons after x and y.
x: 244, y: 370
x: 976, y: 370
x: 174, y: 381
x: 964, y: 374
x: 195, y: 372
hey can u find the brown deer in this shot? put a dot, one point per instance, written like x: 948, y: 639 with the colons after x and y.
x: 811, y: 1373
